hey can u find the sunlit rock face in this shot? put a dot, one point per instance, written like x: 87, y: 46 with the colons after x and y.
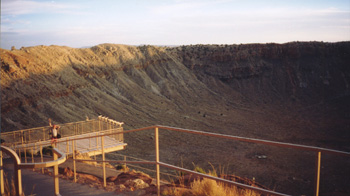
x: 296, y: 92
x: 142, y: 85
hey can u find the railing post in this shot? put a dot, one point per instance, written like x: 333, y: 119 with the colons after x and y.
x: 318, y: 171
x: 25, y: 154
x: 103, y: 163
x: 55, y: 172
x: 22, y: 137
x: 156, y: 137
x: 2, y: 187
x: 41, y: 157
x: 18, y: 180
x: 33, y: 154
x: 67, y: 148
x: 17, y: 171
x: 124, y: 163
x: 74, y: 167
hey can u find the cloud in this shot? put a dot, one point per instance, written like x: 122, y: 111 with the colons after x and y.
x: 21, y: 7
x: 188, y: 7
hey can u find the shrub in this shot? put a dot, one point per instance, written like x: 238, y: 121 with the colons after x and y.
x: 208, y: 187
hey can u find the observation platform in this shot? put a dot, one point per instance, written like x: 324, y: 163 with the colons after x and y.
x: 91, y: 137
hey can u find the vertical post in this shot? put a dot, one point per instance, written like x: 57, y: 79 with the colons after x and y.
x: 74, y: 168
x: 43, y: 134
x: 125, y: 162
x: 156, y: 137
x: 89, y: 142
x: 33, y: 154
x: 25, y: 155
x: 96, y: 141
x: 22, y: 137
x: 67, y: 147
x: 18, y: 180
x: 318, y: 171
x: 99, y: 124
x: 41, y: 156
x: 103, y: 163
x: 2, y: 187
x: 55, y: 172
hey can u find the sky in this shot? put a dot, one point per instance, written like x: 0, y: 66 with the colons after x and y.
x: 85, y: 23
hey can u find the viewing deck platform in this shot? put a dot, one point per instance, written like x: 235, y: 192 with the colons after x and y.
x: 86, y: 136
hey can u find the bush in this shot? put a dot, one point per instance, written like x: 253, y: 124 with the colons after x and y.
x: 208, y: 187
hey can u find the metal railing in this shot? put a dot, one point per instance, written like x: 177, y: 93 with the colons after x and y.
x: 318, y: 151
x: 33, y: 135
x: 58, y: 157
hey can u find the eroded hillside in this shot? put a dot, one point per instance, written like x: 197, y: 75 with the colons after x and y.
x: 189, y: 85
x: 286, y: 92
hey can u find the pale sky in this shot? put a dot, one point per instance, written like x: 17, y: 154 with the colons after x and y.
x: 81, y: 23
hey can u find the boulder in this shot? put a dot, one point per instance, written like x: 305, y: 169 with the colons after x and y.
x: 136, y: 184
x: 125, y: 176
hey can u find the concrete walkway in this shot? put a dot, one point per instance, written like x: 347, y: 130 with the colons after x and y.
x: 43, y: 185
x: 37, y: 184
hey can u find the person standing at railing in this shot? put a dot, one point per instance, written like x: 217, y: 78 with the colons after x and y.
x: 54, y: 131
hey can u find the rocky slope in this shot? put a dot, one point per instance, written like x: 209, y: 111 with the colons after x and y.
x: 294, y: 92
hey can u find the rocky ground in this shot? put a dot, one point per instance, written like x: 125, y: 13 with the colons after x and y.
x: 295, y: 92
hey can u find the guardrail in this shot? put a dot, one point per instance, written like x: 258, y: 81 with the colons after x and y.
x: 58, y: 157
x: 257, y: 141
x: 38, y: 134
x: 265, y: 142
x: 318, y: 151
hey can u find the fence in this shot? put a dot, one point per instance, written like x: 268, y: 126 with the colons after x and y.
x: 58, y: 158
x: 38, y: 134
x: 318, y: 152
x: 158, y: 164
x: 33, y: 138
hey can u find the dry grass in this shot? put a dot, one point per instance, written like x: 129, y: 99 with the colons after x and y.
x: 208, y: 187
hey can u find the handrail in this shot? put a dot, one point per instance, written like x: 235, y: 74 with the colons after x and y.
x: 62, y: 158
x: 258, y: 141
x: 74, y: 137
x: 265, y: 191
x: 100, y: 118
x: 12, y: 154
x: 23, y: 130
x: 245, y: 186
x: 318, y: 150
x: 18, y: 166
x: 217, y: 135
